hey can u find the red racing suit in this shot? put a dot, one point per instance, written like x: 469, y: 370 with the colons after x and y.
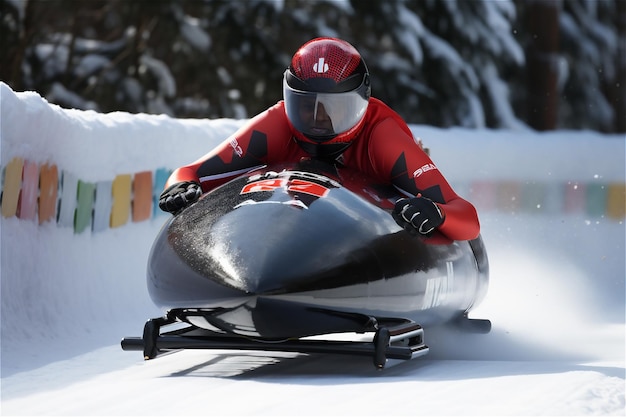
x: 384, y: 149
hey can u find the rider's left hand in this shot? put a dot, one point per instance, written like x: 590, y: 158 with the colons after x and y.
x: 419, y: 213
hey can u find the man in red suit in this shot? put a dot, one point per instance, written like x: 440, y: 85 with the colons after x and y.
x: 327, y: 113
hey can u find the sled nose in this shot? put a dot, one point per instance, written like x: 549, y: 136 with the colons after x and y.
x: 269, y: 258
x: 279, y: 249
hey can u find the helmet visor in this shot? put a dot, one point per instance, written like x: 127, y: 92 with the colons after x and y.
x: 324, y: 115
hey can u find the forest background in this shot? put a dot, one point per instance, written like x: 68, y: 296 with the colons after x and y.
x: 543, y: 64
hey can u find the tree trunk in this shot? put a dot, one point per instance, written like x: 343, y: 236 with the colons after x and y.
x: 618, y: 89
x: 542, y: 57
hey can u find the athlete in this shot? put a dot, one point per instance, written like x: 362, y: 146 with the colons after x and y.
x: 327, y: 113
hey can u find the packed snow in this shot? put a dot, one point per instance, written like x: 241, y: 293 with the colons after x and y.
x: 556, y: 297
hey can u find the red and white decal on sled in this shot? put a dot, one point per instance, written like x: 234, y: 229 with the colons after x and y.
x: 295, y: 185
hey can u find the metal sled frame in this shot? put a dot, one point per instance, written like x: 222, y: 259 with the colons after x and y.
x: 403, y: 340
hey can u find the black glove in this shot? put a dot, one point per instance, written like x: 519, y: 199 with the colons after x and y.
x: 419, y: 213
x: 178, y: 196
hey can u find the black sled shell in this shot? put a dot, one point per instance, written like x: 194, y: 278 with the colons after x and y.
x: 307, y: 249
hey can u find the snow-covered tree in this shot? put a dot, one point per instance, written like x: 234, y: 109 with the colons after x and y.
x: 586, y: 63
x: 438, y: 62
x: 593, y: 88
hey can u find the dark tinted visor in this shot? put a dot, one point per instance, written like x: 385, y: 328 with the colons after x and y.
x: 324, y: 114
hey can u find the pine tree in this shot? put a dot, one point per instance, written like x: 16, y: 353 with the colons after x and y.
x: 437, y: 62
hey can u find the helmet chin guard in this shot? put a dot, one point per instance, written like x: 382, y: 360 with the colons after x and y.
x: 325, y: 151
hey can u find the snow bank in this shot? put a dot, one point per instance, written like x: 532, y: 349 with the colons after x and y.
x: 96, y: 146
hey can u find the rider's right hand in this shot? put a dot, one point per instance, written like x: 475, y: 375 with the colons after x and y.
x: 178, y: 196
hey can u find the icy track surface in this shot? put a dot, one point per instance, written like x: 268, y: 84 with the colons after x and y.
x: 556, y: 297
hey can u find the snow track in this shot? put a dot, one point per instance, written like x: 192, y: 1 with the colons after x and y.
x: 556, y: 297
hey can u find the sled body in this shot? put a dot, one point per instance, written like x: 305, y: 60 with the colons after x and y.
x: 307, y: 249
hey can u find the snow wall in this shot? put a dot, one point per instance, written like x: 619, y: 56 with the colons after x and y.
x: 79, y: 191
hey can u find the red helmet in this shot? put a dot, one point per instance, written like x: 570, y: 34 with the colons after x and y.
x: 326, y: 91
